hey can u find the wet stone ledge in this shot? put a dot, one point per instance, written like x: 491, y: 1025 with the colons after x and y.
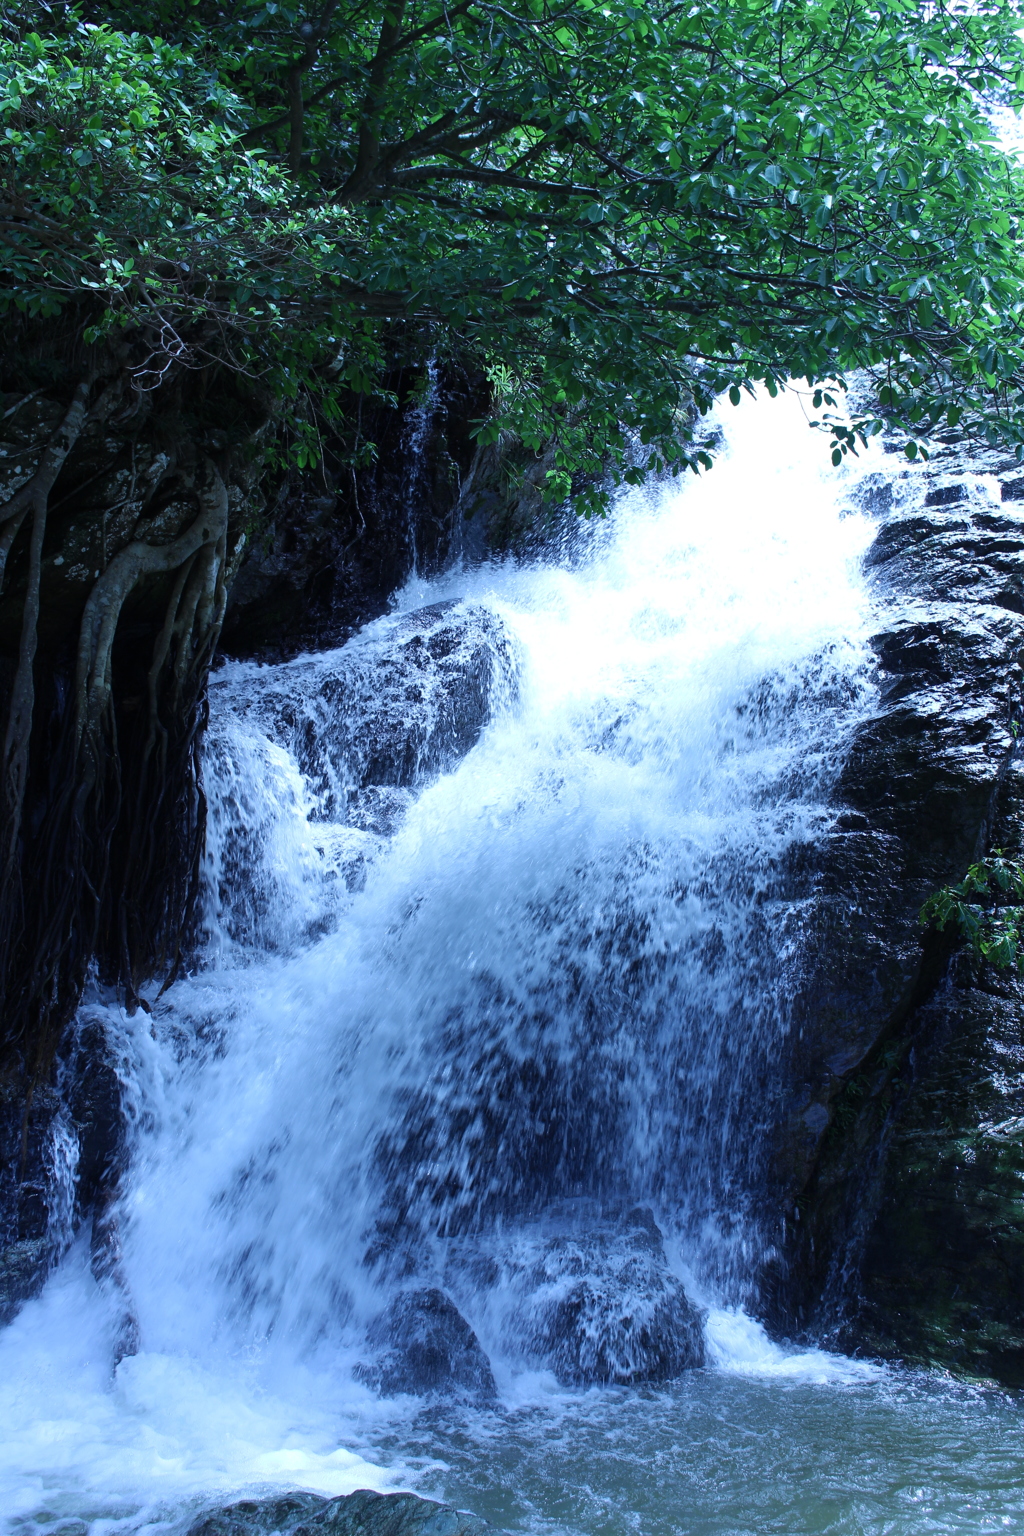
x: 363, y: 1513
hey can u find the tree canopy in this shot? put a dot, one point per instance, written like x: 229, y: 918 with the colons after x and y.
x: 226, y: 225
x: 620, y: 210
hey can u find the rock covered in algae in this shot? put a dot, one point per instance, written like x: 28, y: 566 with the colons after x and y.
x: 363, y: 1513
x: 941, y: 1278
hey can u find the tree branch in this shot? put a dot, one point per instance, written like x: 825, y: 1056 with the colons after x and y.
x: 490, y: 178
x: 363, y: 177
x: 313, y: 37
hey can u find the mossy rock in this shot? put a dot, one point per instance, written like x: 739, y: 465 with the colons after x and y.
x: 943, y: 1275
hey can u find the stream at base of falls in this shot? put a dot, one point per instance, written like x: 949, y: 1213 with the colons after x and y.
x: 765, y: 1441
x: 486, y: 1048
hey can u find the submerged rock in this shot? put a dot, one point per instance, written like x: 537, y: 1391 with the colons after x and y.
x: 602, y: 1307
x: 425, y: 1347
x: 363, y: 1513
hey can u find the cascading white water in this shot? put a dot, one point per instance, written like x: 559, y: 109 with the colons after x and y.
x: 420, y: 423
x: 564, y: 977
x: 454, y: 1009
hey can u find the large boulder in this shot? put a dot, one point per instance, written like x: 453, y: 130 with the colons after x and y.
x: 363, y: 1513
x: 401, y: 703
x: 424, y: 1346
x: 600, y: 1306
x: 310, y: 763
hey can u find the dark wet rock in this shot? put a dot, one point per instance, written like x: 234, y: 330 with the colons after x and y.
x: 355, y: 1514
x: 24, y: 1267
x: 93, y: 1089
x: 489, y: 1119
x: 368, y: 725
x: 929, y: 785
x: 26, y: 1193
x: 942, y: 1279
x: 425, y: 1347
x: 60, y: 1159
x: 388, y: 712
x: 602, y: 1307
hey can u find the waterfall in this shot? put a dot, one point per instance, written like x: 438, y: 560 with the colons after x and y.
x: 422, y: 422
x: 502, y: 927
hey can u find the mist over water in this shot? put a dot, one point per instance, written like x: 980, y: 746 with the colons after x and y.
x: 462, y: 1017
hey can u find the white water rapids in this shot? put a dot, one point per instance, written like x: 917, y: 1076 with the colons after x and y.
x: 509, y: 995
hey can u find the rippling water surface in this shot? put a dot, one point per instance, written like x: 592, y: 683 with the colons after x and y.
x: 736, y: 1455
x: 767, y: 1441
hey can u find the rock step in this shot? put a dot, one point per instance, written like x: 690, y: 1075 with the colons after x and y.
x: 363, y: 1513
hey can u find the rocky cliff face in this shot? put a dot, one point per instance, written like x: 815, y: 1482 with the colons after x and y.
x: 942, y: 1275
x: 900, y: 1155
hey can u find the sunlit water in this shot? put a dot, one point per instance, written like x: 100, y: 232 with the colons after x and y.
x: 551, y: 983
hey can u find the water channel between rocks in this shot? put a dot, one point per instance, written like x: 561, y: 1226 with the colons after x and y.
x: 502, y: 933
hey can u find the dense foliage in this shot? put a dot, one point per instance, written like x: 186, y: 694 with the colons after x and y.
x: 227, y: 223
x: 620, y: 210
x: 987, y: 906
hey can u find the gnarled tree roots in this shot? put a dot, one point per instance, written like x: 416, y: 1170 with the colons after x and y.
x: 103, y: 808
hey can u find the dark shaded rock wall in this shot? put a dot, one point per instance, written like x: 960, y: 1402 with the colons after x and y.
x: 333, y: 546
x: 61, y: 1151
x: 942, y: 1278
x: 26, y: 1193
x: 100, y: 849
x: 872, y: 1154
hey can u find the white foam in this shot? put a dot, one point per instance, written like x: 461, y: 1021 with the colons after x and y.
x: 740, y: 1346
x: 162, y: 1429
